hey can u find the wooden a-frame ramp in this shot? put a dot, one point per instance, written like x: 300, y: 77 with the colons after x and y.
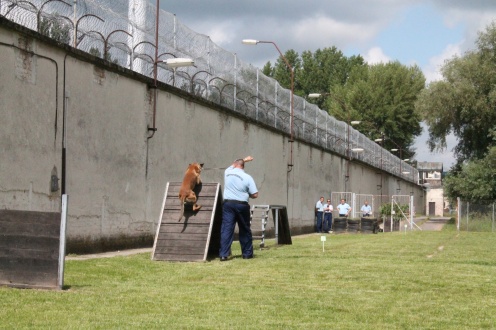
x: 197, y: 234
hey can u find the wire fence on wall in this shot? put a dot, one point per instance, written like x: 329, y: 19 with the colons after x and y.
x: 123, y: 32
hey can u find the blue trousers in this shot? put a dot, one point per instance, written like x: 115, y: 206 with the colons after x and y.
x: 319, y: 221
x: 327, y: 221
x: 233, y: 213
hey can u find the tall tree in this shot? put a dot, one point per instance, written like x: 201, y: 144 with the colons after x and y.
x: 268, y: 70
x: 383, y: 98
x: 464, y: 102
x: 475, y: 180
x: 281, y: 71
x: 324, y: 68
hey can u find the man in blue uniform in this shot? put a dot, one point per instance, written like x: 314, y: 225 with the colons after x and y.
x: 319, y: 210
x: 344, y: 209
x: 366, y: 209
x: 239, y: 187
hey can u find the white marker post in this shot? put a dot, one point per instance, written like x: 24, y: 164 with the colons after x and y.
x: 323, y: 239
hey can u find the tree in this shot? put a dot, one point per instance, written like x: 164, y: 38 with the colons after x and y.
x: 323, y: 69
x: 474, y: 181
x: 54, y: 28
x: 268, y: 70
x: 464, y: 102
x: 282, y: 73
x: 313, y: 72
x: 383, y: 97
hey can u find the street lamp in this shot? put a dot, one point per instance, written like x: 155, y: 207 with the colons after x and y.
x: 291, y: 124
x: 177, y: 62
x: 381, y: 141
x: 171, y: 62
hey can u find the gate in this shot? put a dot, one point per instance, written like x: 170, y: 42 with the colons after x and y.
x: 402, y: 209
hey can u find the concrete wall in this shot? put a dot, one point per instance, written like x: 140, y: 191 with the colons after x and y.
x: 86, y: 120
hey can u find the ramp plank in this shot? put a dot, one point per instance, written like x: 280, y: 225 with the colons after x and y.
x: 197, y: 233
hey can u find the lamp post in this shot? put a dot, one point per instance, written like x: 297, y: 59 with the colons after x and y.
x: 381, y: 141
x: 291, y: 124
x: 172, y: 63
x: 400, y: 150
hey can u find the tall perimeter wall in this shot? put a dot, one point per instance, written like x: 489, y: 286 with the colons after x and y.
x: 72, y: 123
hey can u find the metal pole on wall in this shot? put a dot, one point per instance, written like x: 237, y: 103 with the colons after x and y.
x: 291, y: 114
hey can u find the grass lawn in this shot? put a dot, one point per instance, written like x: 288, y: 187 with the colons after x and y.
x: 419, y: 280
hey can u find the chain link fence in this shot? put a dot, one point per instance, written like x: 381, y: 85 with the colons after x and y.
x: 123, y: 32
x: 476, y: 216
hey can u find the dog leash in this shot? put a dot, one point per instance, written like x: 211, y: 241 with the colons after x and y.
x: 213, y: 168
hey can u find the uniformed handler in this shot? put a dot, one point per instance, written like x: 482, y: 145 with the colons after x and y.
x: 239, y: 187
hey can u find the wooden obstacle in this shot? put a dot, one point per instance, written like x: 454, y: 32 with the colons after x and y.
x: 32, y: 248
x: 282, y: 232
x: 197, y: 234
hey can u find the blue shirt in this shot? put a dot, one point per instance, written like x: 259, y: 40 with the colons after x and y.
x: 366, y: 209
x: 343, y: 208
x: 319, y: 206
x: 238, y: 185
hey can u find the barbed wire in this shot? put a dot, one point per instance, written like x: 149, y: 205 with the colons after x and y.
x: 123, y: 31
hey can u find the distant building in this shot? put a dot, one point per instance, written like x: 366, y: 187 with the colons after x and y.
x: 430, y: 176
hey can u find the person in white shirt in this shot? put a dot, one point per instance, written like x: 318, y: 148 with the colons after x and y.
x: 366, y: 209
x: 319, y: 211
x: 343, y: 208
x: 328, y: 216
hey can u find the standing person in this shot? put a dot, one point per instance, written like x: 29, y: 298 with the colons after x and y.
x: 366, y: 209
x: 239, y: 187
x: 343, y: 208
x: 328, y: 216
x: 319, y: 210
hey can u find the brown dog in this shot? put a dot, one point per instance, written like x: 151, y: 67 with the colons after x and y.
x: 186, y: 193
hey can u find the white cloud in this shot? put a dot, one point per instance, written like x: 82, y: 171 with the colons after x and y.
x: 432, y: 70
x: 375, y: 55
x: 424, y: 155
x: 320, y: 30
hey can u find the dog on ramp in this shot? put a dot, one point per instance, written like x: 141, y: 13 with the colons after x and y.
x: 186, y: 193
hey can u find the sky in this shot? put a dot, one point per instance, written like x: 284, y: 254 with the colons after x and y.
x: 413, y: 32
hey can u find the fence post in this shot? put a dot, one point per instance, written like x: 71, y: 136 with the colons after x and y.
x: 458, y: 213
x: 353, y: 204
x: 411, y: 212
x: 468, y: 207
x: 392, y: 210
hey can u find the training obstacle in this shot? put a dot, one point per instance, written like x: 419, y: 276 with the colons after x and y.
x: 282, y: 233
x: 32, y: 248
x: 197, y: 234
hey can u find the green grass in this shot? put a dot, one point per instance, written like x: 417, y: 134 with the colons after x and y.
x: 478, y: 222
x: 419, y: 280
